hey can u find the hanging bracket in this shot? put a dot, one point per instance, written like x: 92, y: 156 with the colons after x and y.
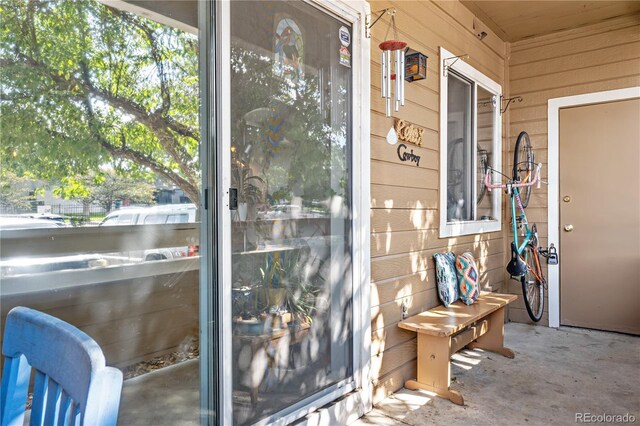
x: 509, y: 100
x: 389, y: 11
x: 454, y: 59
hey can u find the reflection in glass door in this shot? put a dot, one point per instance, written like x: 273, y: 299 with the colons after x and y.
x: 290, y: 141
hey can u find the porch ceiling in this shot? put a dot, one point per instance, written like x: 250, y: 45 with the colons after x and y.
x: 516, y: 20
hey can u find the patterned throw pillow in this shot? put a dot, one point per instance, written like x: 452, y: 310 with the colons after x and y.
x: 446, y: 277
x: 468, y: 285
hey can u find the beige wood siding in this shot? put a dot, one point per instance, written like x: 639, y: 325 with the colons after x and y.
x: 604, y: 56
x: 131, y: 319
x: 404, y: 198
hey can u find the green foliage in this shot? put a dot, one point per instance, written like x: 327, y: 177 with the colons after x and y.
x: 105, y: 188
x: 298, y: 293
x: 311, y: 148
x: 14, y: 190
x: 249, y: 186
x: 84, y: 85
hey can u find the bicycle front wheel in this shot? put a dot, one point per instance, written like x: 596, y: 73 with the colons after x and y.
x: 532, y: 285
x: 523, y: 166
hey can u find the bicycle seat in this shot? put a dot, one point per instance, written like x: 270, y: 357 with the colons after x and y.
x: 516, y: 267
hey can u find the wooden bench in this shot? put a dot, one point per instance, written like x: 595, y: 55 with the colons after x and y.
x: 444, y: 331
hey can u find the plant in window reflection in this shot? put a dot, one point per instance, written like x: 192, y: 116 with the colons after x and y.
x: 248, y: 184
x: 249, y: 308
x: 287, y: 286
x: 302, y: 162
x: 300, y: 302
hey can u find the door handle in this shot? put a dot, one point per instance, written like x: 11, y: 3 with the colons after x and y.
x: 568, y: 228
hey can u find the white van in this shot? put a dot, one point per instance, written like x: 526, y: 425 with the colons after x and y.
x: 157, y: 215
x: 169, y: 213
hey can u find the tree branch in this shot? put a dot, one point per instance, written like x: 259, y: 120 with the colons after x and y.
x: 137, y: 157
x: 156, y: 55
x: 158, y: 125
x: 179, y: 128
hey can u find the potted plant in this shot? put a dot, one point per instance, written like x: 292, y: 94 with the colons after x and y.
x: 299, y: 300
x: 247, y: 319
x: 299, y: 294
x: 249, y: 187
x: 289, y: 296
x: 249, y: 311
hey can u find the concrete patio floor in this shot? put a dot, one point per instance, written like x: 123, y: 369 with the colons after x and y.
x: 169, y: 396
x: 555, y: 374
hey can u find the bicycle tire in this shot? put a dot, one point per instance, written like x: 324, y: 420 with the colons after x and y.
x: 455, y: 179
x: 532, y: 287
x: 523, y: 163
x: 483, y: 166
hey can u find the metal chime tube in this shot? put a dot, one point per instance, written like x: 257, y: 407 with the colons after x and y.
x: 388, y: 77
x: 402, y: 77
x: 383, y: 83
x: 397, y: 102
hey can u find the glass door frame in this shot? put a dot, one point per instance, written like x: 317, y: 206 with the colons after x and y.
x: 218, y: 325
x: 209, y: 153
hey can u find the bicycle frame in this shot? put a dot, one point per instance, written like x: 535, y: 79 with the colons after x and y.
x: 529, y: 234
x: 512, y: 189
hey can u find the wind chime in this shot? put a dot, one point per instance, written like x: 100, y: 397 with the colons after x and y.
x: 391, y: 48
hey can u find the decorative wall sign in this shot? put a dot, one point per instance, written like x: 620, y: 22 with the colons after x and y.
x: 403, y: 155
x: 408, y: 132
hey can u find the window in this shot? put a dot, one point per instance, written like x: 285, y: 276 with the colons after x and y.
x: 126, y: 219
x: 110, y: 221
x: 154, y: 219
x: 178, y: 218
x: 87, y: 157
x: 470, y: 142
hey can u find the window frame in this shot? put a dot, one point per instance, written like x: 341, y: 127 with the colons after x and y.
x: 454, y: 229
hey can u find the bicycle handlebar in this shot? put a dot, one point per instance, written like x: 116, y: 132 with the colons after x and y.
x: 490, y: 185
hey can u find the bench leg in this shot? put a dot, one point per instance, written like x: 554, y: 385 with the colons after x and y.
x: 434, y: 369
x: 493, y: 339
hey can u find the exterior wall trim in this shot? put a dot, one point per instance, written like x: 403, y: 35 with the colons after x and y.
x: 553, y: 114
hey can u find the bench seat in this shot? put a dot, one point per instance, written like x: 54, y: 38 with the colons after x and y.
x: 444, y: 331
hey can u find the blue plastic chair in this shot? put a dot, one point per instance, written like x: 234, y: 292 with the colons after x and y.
x: 72, y: 385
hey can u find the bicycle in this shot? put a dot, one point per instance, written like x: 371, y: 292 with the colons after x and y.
x: 456, y: 178
x: 525, y: 255
x: 483, y: 167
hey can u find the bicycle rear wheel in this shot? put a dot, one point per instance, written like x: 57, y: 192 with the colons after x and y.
x: 532, y: 285
x: 483, y: 166
x: 523, y: 166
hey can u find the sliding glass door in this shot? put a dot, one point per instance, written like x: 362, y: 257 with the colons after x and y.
x: 286, y: 197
